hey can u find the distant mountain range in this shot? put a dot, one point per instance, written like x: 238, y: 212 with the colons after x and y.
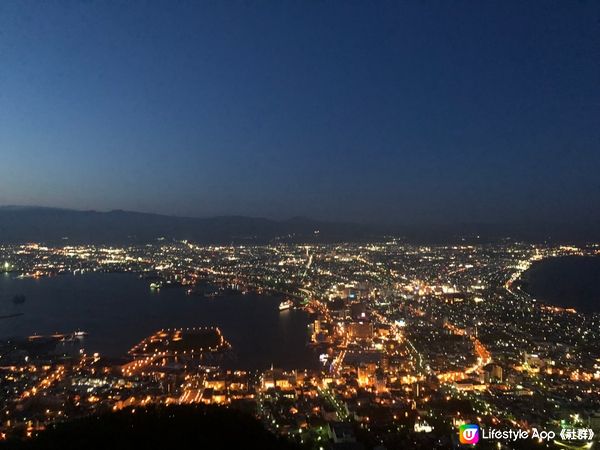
x: 24, y: 224
x: 52, y: 225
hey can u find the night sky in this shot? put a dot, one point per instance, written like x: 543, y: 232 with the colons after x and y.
x: 408, y: 112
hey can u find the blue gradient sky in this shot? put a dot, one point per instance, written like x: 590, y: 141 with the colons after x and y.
x: 373, y: 111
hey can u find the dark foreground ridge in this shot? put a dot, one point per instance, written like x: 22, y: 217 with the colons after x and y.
x: 154, y: 427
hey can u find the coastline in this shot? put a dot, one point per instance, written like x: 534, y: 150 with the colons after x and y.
x: 564, y: 281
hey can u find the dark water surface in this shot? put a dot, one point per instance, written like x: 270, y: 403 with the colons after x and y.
x: 118, y: 310
x: 568, y: 281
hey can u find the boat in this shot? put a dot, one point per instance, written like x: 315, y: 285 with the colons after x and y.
x: 286, y: 304
x: 19, y: 299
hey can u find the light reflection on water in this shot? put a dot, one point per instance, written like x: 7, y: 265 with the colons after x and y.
x: 118, y: 310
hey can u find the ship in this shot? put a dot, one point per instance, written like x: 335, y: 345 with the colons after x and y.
x: 286, y: 304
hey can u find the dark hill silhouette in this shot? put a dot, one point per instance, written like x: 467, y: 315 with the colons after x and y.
x: 21, y: 224
x: 52, y: 225
x: 181, y: 427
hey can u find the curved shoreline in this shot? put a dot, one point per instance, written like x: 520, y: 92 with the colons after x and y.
x: 569, y: 282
